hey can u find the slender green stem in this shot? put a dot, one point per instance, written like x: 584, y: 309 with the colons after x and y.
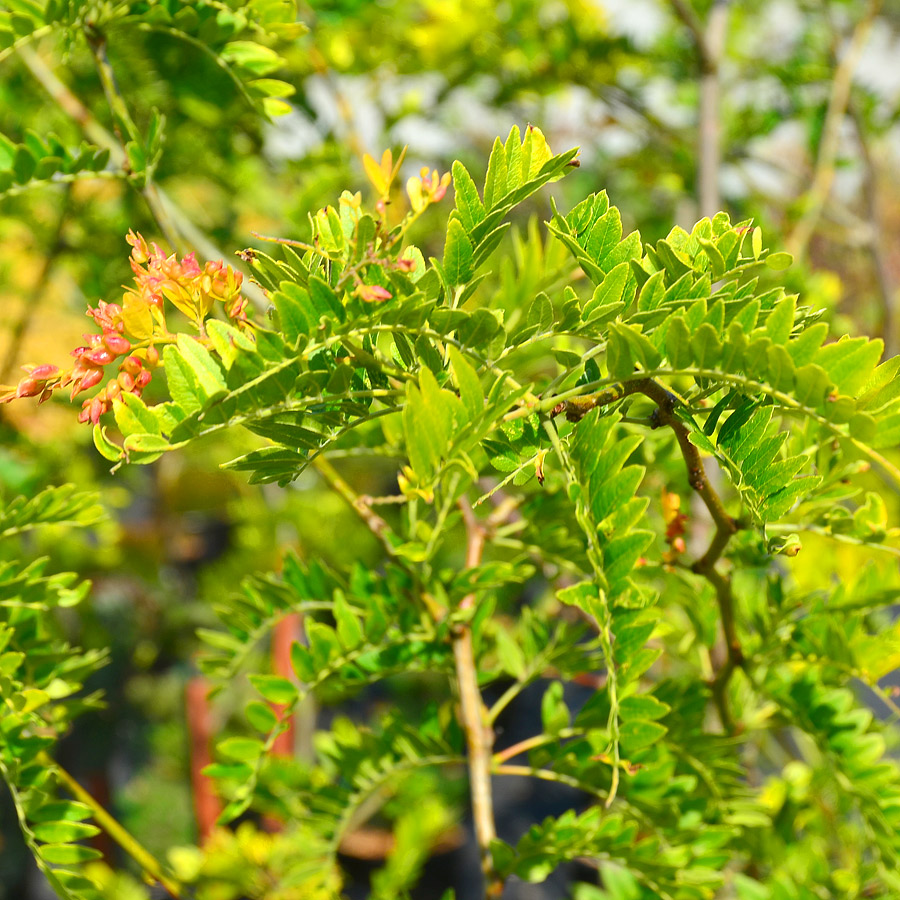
x: 551, y: 775
x: 156, y: 198
x: 62, y: 178
x: 790, y: 527
x: 129, y: 844
x: 505, y: 699
x: 23, y: 42
x: 126, y: 131
x: 604, y: 623
x: 443, y: 513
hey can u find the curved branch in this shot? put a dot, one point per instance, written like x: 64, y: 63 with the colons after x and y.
x: 726, y: 526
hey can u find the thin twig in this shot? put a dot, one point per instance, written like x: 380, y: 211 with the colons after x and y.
x: 823, y: 176
x: 474, y: 715
x: 538, y: 740
x: 373, y: 521
x: 126, y: 131
x: 135, y: 850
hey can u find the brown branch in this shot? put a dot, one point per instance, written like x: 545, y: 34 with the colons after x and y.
x: 823, y: 176
x: 709, y: 41
x: 479, y: 735
x: 474, y: 715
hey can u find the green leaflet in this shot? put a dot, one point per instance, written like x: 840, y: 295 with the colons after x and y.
x: 468, y: 203
x: 458, y: 253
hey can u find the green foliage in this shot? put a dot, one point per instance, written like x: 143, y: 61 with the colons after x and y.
x: 688, y: 356
x: 41, y: 677
x: 531, y: 393
x: 41, y: 160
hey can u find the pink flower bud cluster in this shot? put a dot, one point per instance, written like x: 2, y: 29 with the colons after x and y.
x: 183, y: 282
x: 91, y: 360
x: 375, y: 293
x: 134, y: 375
x: 372, y: 293
x: 129, y: 334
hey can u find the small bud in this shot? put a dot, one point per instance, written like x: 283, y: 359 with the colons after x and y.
x: 152, y: 355
x: 131, y: 365
x: 101, y: 357
x: 42, y: 373
x: 97, y: 409
x: 28, y: 387
x: 116, y: 343
x: 139, y: 252
x: 143, y: 378
x: 90, y: 378
x: 372, y: 293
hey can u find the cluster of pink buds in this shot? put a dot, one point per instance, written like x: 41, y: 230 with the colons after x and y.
x: 101, y: 349
x: 130, y: 331
x: 375, y: 293
x: 181, y: 281
x: 134, y: 375
x: 39, y: 382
